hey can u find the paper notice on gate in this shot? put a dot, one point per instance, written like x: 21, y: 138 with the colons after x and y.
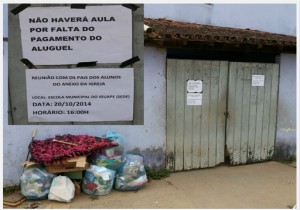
x: 194, y: 86
x: 258, y: 80
x: 194, y: 98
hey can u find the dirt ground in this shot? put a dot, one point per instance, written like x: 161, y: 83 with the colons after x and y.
x: 263, y: 185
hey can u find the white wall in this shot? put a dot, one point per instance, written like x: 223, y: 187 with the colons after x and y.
x: 5, y: 21
x: 286, y: 118
x: 276, y: 18
x: 194, y: 13
x: 149, y: 137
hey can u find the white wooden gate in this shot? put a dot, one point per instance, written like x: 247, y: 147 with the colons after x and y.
x: 195, y: 134
x: 252, y: 111
x: 234, y: 113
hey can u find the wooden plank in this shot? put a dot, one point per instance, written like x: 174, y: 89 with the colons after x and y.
x: 259, y: 115
x: 213, y: 110
x: 138, y: 108
x: 252, y: 117
x: 266, y: 114
x: 222, y: 101
x: 245, y: 113
x: 231, y: 108
x: 249, y: 129
x: 205, y: 113
x: 188, y: 119
x: 180, y: 102
x: 238, y: 113
x: 14, y: 199
x: 138, y: 49
x: 197, y: 111
x: 171, y: 125
x: 273, y: 110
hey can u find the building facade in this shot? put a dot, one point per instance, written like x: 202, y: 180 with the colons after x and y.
x: 151, y: 139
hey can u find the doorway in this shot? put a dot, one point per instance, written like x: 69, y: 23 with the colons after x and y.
x: 236, y: 108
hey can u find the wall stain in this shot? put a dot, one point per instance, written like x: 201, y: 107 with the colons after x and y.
x: 153, y: 157
x: 170, y: 161
x: 284, y: 151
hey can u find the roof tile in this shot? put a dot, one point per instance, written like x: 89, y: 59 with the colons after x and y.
x: 164, y: 29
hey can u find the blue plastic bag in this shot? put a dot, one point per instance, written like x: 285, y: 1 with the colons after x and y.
x: 111, y: 158
x: 111, y: 135
x: 36, y: 183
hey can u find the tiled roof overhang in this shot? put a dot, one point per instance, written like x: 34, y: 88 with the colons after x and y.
x: 168, y: 33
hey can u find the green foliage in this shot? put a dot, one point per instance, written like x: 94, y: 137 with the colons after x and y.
x: 157, y: 173
x: 94, y: 197
x: 292, y: 158
x: 289, y: 160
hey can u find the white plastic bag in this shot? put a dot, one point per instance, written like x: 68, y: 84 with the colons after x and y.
x: 62, y: 189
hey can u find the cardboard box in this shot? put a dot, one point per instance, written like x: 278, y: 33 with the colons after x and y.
x: 71, y: 164
x: 74, y: 174
x: 28, y: 163
x: 14, y: 199
x: 77, y: 187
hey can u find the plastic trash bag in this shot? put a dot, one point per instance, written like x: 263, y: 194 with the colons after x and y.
x: 36, y: 183
x: 62, y: 189
x: 116, y: 137
x: 132, y: 175
x: 98, y: 180
x: 111, y: 135
x: 110, y: 158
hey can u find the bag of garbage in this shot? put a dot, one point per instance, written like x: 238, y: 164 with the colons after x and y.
x: 116, y: 137
x: 111, y: 158
x: 36, y: 182
x: 132, y: 175
x: 112, y: 135
x: 62, y: 189
x: 98, y: 180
